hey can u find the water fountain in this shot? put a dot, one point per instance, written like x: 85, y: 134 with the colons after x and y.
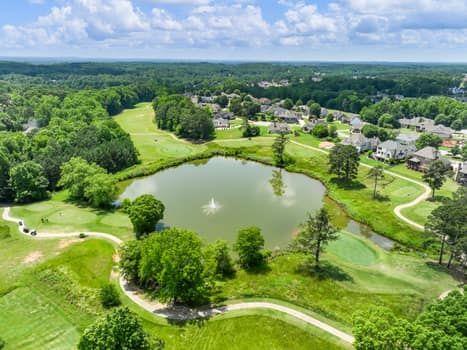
x: 212, y: 207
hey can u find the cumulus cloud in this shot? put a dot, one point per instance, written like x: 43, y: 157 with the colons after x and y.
x: 240, y: 23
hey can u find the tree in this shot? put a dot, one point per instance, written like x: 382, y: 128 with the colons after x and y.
x: 4, y: 175
x: 315, y: 233
x: 109, y: 296
x: 332, y: 130
x: 448, y: 222
x: 28, y: 182
x: 100, y: 190
x: 287, y: 103
x: 145, y: 212
x: 376, y: 173
x: 130, y: 257
x: 315, y: 109
x: 427, y: 139
x: 172, y: 262
x: 250, y: 247
x: 370, y: 130
x: 278, y: 149
x: 344, y: 161
x: 250, y: 130
x: 320, y: 131
x: 120, y: 329
x: 74, y: 175
x: 440, y: 326
x: 222, y: 100
x: 218, y: 260
x: 436, y: 175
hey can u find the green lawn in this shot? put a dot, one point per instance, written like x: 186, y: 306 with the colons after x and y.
x: 56, y: 297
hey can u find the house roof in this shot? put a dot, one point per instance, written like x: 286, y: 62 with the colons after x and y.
x: 428, y: 152
x: 390, y: 145
x: 412, y: 137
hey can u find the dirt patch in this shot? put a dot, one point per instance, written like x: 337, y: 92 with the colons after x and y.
x: 65, y: 243
x: 326, y: 145
x: 116, y: 258
x: 33, y: 257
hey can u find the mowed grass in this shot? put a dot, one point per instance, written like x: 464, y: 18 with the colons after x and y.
x: 58, y: 216
x: 56, y: 297
x: 356, y: 275
x: 151, y: 143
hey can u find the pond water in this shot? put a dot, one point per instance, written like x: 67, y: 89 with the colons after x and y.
x: 363, y: 230
x: 217, y: 197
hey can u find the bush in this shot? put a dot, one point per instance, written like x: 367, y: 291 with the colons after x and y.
x: 82, y: 235
x: 320, y: 131
x: 2, y: 343
x: 218, y: 260
x: 109, y: 296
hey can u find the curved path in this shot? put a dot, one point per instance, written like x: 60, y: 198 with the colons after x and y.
x: 180, y: 312
x: 397, y: 210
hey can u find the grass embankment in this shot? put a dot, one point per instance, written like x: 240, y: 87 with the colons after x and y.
x: 49, y: 294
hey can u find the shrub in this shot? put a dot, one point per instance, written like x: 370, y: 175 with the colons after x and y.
x: 218, y: 260
x: 2, y: 343
x: 109, y: 296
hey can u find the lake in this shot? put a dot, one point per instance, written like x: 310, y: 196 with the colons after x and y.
x: 217, y: 197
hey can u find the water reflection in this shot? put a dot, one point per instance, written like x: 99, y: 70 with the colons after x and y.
x: 363, y: 230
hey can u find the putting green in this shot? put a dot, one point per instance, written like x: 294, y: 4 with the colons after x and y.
x: 72, y: 215
x: 353, y: 250
x: 116, y: 219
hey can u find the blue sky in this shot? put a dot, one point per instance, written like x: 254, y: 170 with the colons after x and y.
x: 315, y: 30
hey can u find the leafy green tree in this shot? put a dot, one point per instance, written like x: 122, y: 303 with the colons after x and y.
x: 387, y: 121
x: 4, y: 175
x: 278, y: 149
x: 172, y: 260
x: 235, y: 106
x: 332, y: 130
x: 250, y: 247
x: 74, y: 175
x: 28, y: 182
x: 436, y: 175
x: 109, y: 296
x: 100, y: 190
x: 250, y: 130
x: 315, y: 233
x: 118, y: 330
x: 315, y: 109
x: 344, y: 161
x: 222, y: 101
x: 448, y: 221
x: 376, y: 173
x: 145, y: 212
x: 320, y: 131
x: 250, y: 109
x: 464, y: 153
x: 130, y: 257
x: 287, y: 103
x: 370, y: 130
x: 427, y: 139
x: 218, y: 260
x: 440, y: 326
x: 457, y: 124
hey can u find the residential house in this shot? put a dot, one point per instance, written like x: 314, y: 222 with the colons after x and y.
x: 310, y: 125
x: 440, y: 130
x: 356, y: 125
x: 421, y: 159
x: 361, y: 143
x: 221, y: 123
x: 407, y: 139
x: 324, y: 112
x: 419, y: 124
x: 279, y: 128
x: 461, y: 176
x: 223, y: 114
x: 393, y: 150
x: 284, y: 115
x: 264, y: 101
